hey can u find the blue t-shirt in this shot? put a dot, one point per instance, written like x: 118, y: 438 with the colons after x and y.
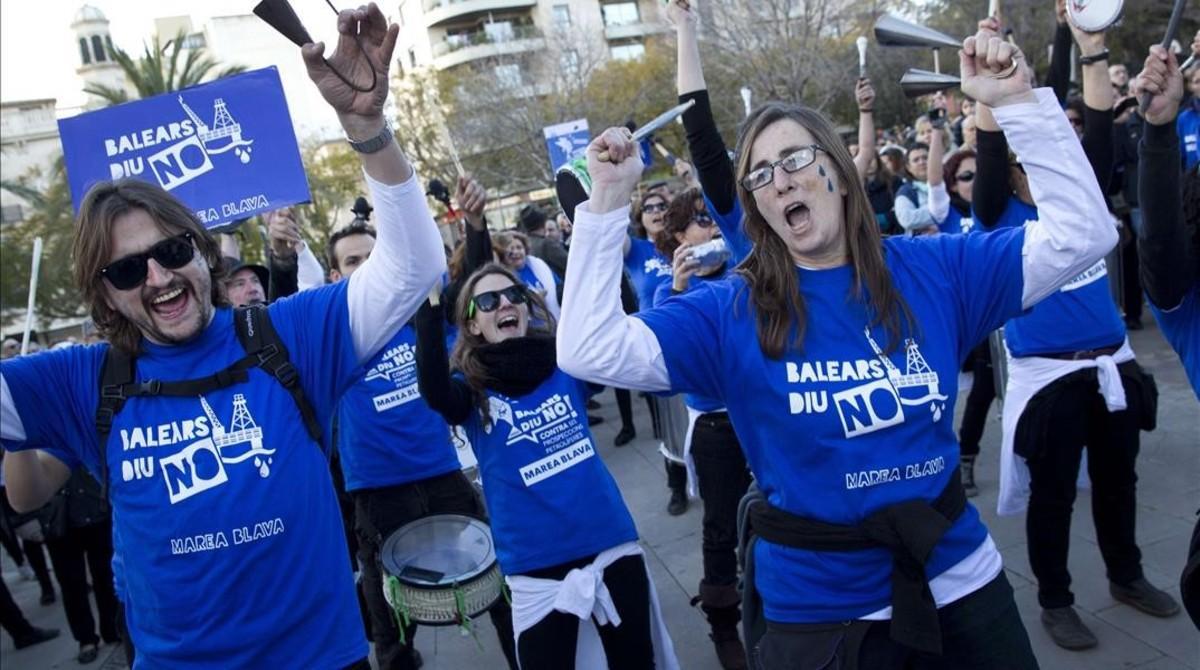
x: 836, y: 430
x: 1187, y: 124
x: 387, y: 435
x: 1181, y: 327
x: 648, y: 269
x: 531, y: 280
x: 550, y: 498
x: 730, y: 225
x: 1077, y: 317
x: 955, y: 223
x: 695, y: 401
x: 232, y: 549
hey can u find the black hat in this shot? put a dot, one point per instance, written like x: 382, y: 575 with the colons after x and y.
x: 234, y: 264
x: 532, y: 218
x: 362, y: 208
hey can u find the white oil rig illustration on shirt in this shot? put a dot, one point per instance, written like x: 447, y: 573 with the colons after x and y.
x: 244, y: 430
x: 917, y: 373
x: 223, y: 126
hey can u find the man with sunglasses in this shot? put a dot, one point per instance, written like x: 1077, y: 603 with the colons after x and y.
x: 232, y: 549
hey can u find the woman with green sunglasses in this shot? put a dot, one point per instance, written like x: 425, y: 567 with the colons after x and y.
x: 559, y: 523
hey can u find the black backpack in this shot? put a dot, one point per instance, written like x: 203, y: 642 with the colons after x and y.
x: 263, y: 349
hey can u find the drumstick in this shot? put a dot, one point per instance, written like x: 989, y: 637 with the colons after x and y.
x: 33, y: 282
x: 658, y: 122
x: 1172, y: 28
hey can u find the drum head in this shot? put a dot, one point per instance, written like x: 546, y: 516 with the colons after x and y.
x: 1094, y: 15
x: 439, y: 551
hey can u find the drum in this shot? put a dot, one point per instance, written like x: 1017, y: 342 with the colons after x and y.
x: 999, y: 361
x: 441, y: 570
x: 672, y: 426
x: 1094, y: 15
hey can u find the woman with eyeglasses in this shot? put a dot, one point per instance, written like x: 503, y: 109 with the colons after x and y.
x: 1073, y: 383
x: 512, y: 251
x: 564, y: 537
x: 836, y: 356
x: 950, y: 184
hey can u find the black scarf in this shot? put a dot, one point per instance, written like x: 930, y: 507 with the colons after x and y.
x: 518, y: 365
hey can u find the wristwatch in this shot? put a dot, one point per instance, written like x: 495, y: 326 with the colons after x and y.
x: 374, y: 144
x: 1088, y: 60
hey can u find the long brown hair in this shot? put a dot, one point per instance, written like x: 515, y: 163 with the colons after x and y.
x: 464, y: 358
x: 101, y: 207
x: 770, y: 270
x: 680, y: 213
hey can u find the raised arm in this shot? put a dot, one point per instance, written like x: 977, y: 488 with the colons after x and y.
x: 864, y: 94
x: 939, y: 198
x: 1073, y: 229
x: 407, y: 259
x: 445, y: 395
x: 471, y: 197
x: 708, y: 151
x: 284, y: 235
x: 1059, y: 76
x: 596, y: 341
x: 1168, y: 270
x: 1098, y: 104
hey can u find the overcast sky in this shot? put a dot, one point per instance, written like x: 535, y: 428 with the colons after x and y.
x: 38, y: 51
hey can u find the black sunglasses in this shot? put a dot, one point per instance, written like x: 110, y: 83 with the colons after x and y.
x: 489, y: 301
x: 130, y: 271
x: 966, y: 176
x: 659, y: 207
x: 702, y: 219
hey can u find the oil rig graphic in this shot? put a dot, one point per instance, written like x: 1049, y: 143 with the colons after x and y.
x: 243, y: 429
x: 917, y: 371
x: 223, y: 126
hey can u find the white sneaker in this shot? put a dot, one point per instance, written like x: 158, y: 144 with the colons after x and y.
x: 26, y: 573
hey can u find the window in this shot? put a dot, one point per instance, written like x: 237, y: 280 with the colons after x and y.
x: 98, y: 48
x: 500, y: 31
x: 194, y: 41
x: 569, y: 62
x: 11, y: 214
x: 620, y: 13
x: 509, y: 75
x: 562, y: 16
x: 412, y: 57
x: 628, y: 51
x: 84, y: 54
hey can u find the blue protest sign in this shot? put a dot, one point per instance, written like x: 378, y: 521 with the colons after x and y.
x: 225, y: 148
x: 566, y: 141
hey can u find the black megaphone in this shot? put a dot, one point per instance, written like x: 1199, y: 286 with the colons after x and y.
x: 916, y: 83
x: 280, y: 16
x: 893, y: 31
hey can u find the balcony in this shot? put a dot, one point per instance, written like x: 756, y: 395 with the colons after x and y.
x: 467, y: 47
x: 634, y: 30
x: 438, y: 12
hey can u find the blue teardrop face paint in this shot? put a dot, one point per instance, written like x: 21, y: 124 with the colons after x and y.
x: 821, y: 170
x: 829, y: 184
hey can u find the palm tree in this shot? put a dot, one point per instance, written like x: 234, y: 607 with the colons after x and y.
x: 159, y: 70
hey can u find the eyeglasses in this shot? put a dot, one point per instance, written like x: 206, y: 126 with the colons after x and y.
x: 702, y: 219
x: 966, y: 176
x: 489, y: 301
x: 1075, y: 121
x: 651, y: 209
x: 129, y: 272
x: 793, y: 162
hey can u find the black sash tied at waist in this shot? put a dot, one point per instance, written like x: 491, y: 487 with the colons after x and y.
x: 910, y: 530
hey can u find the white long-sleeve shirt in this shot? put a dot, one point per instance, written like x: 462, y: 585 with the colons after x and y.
x: 381, y: 295
x: 597, y: 342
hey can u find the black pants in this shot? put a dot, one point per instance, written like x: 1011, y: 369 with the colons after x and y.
x: 36, y: 554
x: 83, y: 549
x: 979, y: 400
x: 624, y: 406
x: 722, y: 478
x: 551, y: 643
x: 982, y: 631
x: 11, y: 618
x: 1077, y: 417
x: 378, y: 512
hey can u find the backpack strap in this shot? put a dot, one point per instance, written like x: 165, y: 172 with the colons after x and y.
x: 116, y: 375
x: 263, y: 345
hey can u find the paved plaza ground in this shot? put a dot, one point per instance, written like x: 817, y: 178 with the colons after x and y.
x: 1168, y: 498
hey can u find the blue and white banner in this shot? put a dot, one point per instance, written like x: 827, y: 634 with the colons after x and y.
x: 566, y: 141
x: 225, y: 148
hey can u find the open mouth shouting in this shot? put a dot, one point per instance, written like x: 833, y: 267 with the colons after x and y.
x: 797, y: 215
x: 509, y: 324
x: 170, y: 304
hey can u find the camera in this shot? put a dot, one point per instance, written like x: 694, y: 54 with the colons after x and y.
x: 937, y: 117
